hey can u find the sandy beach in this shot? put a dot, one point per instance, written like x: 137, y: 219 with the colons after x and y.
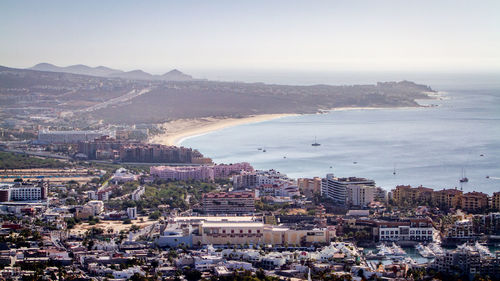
x: 180, y: 129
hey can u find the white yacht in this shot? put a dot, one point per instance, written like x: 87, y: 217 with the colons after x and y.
x: 424, y: 251
x: 436, y: 249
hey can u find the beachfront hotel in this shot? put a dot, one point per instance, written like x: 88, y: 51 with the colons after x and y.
x: 209, y: 173
x: 202, y: 173
x: 337, y: 188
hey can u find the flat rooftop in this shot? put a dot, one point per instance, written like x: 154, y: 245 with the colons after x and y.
x: 217, y: 218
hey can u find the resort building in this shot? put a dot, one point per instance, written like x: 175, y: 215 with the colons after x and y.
x: 157, y: 153
x: 495, y: 201
x: 409, y: 230
x: 360, y: 195
x: 237, y: 202
x: 205, y: 173
x: 461, y: 230
x: 337, y: 188
x: 309, y: 186
x: 122, y: 175
x: 24, y: 192
x: 73, y: 137
x: 474, y: 201
x: 227, y: 170
x: 259, y: 177
x: 241, y: 233
x: 407, y: 195
x: 446, y: 198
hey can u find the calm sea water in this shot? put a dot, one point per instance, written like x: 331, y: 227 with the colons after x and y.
x: 425, y: 146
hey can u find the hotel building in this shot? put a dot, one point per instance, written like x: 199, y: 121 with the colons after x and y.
x: 411, y: 230
x: 73, y: 137
x: 337, y: 188
x: 24, y: 192
x: 237, y: 202
x: 495, y: 201
x: 474, y: 201
x: 405, y: 194
x: 446, y: 198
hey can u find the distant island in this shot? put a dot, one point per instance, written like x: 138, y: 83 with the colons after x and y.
x: 80, y: 96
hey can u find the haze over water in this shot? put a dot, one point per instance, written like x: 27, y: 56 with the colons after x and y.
x: 426, y: 146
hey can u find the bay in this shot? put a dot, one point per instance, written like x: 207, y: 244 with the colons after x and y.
x: 427, y: 146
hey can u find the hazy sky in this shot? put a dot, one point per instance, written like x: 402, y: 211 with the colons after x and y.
x: 307, y: 35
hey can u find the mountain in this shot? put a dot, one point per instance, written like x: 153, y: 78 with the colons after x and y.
x: 102, y: 71
x: 77, y: 69
x: 47, y: 67
x: 134, y: 75
x: 176, y: 75
x: 119, y: 101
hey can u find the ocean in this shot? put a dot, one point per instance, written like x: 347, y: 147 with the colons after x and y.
x: 430, y: 146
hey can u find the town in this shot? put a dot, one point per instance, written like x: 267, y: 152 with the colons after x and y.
x: 90, y: 205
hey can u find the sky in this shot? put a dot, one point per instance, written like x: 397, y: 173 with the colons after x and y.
x: 157, y: 36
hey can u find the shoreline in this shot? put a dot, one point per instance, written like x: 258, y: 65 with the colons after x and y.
x: 179, y: 130
x: 182, y: 129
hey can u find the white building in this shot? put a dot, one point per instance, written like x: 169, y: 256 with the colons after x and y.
x: 122, y: 175
x: 132, y: 213
x: 336, y: 188
x: 97, y: 206
x: 360, y: 195
x: 136, y: 195
x: 24, y: 192
x: 412, y: 230
x: 68, y: 136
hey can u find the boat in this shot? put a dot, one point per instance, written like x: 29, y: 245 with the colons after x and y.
x: 464, y: 178
x: 284, y: 157
x: 481, y: 155
x: 263, y: 150
x: 487, y: 177
x: 384, y: 251
x: 354, y: 162
x: 260, y: 148
x: 436, y: 249
x: 424, y: 251
x: 315, y: 143
x: 483, y: 250
x: 397, y: 250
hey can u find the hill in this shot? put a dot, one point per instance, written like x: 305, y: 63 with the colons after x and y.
x: 103, y: 71
x: 134, y: 98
